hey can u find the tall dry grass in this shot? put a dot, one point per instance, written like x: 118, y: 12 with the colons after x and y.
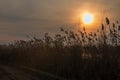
x: 73, y: 55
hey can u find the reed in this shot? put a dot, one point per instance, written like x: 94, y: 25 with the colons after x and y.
x: 73, y: 55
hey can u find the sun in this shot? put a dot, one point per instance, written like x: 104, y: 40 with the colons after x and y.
x: 87, y: 18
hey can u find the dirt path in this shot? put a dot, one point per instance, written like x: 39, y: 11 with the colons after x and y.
x: 8, y: 73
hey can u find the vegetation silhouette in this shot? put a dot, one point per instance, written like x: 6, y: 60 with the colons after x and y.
x: 74, y: 55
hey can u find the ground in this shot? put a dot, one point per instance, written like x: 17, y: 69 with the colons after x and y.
x: 12, y: 73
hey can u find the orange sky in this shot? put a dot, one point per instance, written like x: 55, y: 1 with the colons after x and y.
x: 19, y: 18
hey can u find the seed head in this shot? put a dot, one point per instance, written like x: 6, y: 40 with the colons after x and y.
x: 107, y: 21
x: 118, y: 27
x: 103, y: 27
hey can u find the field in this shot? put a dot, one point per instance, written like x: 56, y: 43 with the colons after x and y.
x: 71, y: 55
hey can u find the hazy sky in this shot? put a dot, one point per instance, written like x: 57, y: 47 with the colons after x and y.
x: 19, y: 18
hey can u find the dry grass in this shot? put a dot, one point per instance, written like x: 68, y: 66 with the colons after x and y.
x: 74, y: 55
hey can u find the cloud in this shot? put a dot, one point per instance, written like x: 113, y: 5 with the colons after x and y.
x: 21, y: 17
x: 15, y: 9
